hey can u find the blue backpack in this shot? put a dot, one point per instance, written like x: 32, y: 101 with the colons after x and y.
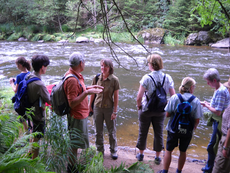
x: 158, y: 99
x: 21, y: 102
x: 183, y: 123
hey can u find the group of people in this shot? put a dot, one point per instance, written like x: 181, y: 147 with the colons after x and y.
x: 104, y: 91
x: 104, y: 96
x: 218, y: 108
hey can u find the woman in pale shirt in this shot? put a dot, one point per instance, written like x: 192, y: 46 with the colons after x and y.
x: 146, y: 117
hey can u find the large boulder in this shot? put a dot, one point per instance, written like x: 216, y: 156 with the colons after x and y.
x: 200, y: 38
x: 22, y: 39
x: 63, y: 41
x: 82, y: 40
x: 203, y: 37
x: 191, y: 39
x: 96, y: 40
x: 225, y: 43
x: 153, y: 36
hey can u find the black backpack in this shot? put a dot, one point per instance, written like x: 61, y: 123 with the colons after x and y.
x: 58, y: 97
x: 21, y: 102
x: 158, y: 99
x: 182, y: 122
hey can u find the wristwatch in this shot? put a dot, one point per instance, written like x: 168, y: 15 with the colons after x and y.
x: 115, y: 113
x: 225, y: 148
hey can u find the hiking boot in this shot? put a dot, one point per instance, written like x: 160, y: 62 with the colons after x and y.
x: 157, y: 160
x: 162, y: 171
x: 114, y: 156
x: 205, y: 170
x: 140, y: 157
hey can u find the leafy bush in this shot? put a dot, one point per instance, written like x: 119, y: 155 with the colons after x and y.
x: 65, y: 28
x: 14, y: 36
x: 32, y: 29
x: 14, y: 148
x: 49, y: 37
x: 54, y: 147
x: 176, y: 40
x: 37, y: 37
x: 7, y: 28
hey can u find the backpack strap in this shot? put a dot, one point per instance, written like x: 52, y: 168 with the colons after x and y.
x: 163, y: 81
x: 189, y: 100
x: 32, y: 79
x: 97, y: 77
x: 155, y: 82
x: 72, y: 75
x: 180, y: 97
x: 152, y: 79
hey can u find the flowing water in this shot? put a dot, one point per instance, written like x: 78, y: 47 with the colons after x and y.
x: 179, y: 62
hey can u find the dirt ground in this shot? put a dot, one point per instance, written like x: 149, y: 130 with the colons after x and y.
x: 128, y: 156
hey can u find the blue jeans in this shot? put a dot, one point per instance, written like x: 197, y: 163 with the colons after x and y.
x: 211, y: 153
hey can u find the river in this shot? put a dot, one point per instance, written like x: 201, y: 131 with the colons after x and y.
x: 179, y: 62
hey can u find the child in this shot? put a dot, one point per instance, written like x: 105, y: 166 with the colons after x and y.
x: 25, y: 67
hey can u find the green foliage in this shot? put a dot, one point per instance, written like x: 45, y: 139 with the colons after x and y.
x: 32, y: 29
x: 212, y: 13
x: 55, y: 157
x: 7, y: 28
x: 176, y: 40
x: 2, y: 36
x: 178, y: 16
x: 14, y: 148
x: 99, y: 28
x: 14, y: 36
x: 54, y: 147
x: 137, y: 167
x: 65, y: 28
x: 124, y: 37
x: 37, y: 37
x: 48, y: 37
x: 142, y: 15
x: 96, y: 163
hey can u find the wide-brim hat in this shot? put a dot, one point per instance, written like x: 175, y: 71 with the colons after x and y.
x: 227, y: 84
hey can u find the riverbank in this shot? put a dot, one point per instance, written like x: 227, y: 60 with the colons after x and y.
x: 127, y: 156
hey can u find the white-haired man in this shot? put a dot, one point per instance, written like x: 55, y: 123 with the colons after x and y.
x: 76, y: 93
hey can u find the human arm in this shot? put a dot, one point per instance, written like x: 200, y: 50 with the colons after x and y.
x: 94, y: 86
x: 172, y: 91
x: 77, y: 100
x: 196, y: 123
x: 139, y: 96
x: 116, y: 98
x: 168, y: 114
x: 14, y: 87
x: 213, y: 110
x: 226, y: 146
x: 92, y: 96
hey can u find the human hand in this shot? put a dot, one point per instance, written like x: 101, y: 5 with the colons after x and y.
x: 95, y: 86
x: 113, y: 116
x: 204, y: 103
x: 225, y: 153
x: 94, y: 91
x: 12, y: 80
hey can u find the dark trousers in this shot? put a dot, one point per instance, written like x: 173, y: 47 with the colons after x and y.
x: 157, y: 121
x: 211, y: 153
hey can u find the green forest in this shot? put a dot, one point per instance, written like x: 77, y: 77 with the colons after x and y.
x: 31, y: 18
